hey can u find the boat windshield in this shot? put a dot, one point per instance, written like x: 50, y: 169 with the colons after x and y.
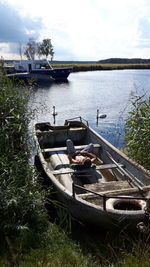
x: 42, y: 66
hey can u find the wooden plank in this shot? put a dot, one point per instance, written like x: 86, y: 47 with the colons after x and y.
x: 100, y: 167
x: 108, y: 186
x: 57, y: 149
x: 107, y: 166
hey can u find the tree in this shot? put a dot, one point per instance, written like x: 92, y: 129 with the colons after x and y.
x: 46, y: 48
x: 31, y: 49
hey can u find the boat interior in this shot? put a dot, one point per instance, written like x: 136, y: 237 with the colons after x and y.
x: 104, y: 177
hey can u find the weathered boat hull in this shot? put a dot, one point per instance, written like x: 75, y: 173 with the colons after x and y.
x: 90, y: 202
x: 58, y: 74
x: 96, y: 215
x: 30, y: 76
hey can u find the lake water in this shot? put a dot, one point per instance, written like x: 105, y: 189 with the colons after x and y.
x: 85, y: 92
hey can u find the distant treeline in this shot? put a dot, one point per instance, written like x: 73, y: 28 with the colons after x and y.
x: 107, y: 61
x: 124, y: 61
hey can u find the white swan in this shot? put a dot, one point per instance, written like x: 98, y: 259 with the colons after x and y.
x: 101, y: 116
x: 54, y: 112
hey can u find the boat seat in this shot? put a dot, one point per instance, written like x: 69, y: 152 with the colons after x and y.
x: 59, y: 135
x: 90, y: 175
x: 57, y: 149
x: 60, y: 163
x: 77, y: 133
x: 100, y: 167
x: 77, y: 129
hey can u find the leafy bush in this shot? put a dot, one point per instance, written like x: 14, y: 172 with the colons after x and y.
x: 138, y: 131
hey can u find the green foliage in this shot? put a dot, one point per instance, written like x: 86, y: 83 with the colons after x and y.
x: 22, y: 212
x: 138, y: 131
x: 45, y: 48
x: 34, y: 48
x: 58, y: 250
x: 88, y: 247
x: 138, y: 256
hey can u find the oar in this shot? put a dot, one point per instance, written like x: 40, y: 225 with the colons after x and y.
x: 132, y: 179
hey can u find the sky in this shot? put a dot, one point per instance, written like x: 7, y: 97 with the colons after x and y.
x: 87, y: 30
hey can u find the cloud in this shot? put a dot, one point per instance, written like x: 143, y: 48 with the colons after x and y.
x: 15, y: 28
x: 81, y: 29
x: 99, y: 29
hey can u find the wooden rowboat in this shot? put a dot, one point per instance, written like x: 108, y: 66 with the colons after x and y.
x: 115, y: 192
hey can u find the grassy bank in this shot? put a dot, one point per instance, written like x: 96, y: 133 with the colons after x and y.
x: 92, y: 67
x: 85, y: 247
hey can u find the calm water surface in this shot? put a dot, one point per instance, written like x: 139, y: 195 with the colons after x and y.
x: 85, y: 92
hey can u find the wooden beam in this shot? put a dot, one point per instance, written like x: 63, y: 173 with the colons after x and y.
x: 57, y: 149
x: 115, y: 192
x: 100, y: 167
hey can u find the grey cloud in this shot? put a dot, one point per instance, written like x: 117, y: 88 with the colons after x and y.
x: 14, y: 28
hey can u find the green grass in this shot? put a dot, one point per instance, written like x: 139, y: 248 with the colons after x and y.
x: 85, y: 247
x: 58, y: 250
x: 90, y: 67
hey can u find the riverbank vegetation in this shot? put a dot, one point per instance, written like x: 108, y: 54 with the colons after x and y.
x: 28, y: 236
x: 138, y: 131
x: 22, y: 216
x: 97, y: 66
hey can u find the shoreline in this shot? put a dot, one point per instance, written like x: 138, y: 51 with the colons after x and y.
x: 92, y: 67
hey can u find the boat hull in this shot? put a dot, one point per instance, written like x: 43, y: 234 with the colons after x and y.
x: 58, y: 74
x: 85, y: 205
x: 32, y: 76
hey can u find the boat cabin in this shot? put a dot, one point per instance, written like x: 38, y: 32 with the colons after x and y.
x: 31, y: 65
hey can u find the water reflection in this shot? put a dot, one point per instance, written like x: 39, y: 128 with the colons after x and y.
x: 85, y: 92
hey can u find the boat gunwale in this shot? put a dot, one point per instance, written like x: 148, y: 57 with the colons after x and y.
x: 122, y: 154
